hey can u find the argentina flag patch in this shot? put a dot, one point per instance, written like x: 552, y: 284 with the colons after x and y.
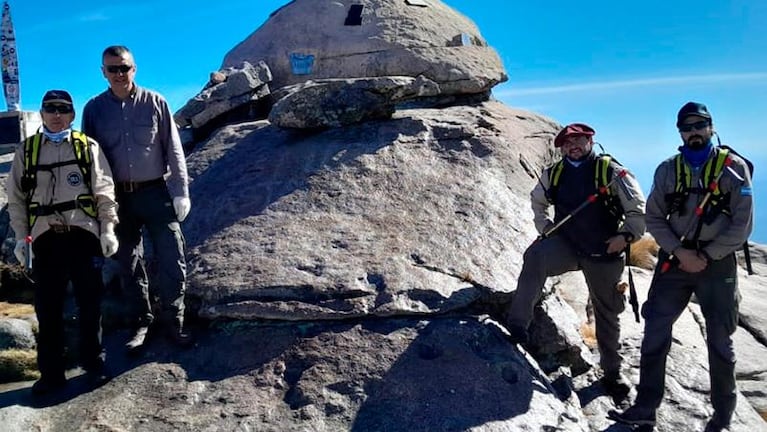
x: 745, y: 191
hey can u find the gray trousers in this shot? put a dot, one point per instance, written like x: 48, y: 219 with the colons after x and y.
x: 152, y: 208
x: 716, y: 289
x: 554, y: 256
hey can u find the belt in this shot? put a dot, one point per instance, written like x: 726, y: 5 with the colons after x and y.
x: 695, y: 244
x: 61, y: 229
x: 129, y: 187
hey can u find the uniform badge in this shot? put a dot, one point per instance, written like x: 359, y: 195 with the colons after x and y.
x: 74, y: 179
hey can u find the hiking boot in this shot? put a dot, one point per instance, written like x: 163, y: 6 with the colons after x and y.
x: 518, y: 334
x: 634, y: 416
x: 97, y: 375
x: 138, y: 339
x: 45, y: 386
x: 616, y: 386
x: 714, y: 426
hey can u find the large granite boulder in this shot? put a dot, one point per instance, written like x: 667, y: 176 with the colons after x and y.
x: 316, y: 39
x: 421, y: 214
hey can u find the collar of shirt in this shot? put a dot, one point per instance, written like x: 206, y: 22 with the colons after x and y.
x: 132, y: 94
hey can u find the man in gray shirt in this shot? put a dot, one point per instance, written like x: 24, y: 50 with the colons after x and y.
x: 135, y: 128
x: 700, y: 211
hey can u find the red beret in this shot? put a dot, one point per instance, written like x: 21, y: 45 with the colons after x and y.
x: 573, y: 129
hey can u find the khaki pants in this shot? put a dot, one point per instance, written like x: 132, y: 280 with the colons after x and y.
x: 554, y: 256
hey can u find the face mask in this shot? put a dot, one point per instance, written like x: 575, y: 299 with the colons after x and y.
x: 56, y: 137
x: 696, y: 157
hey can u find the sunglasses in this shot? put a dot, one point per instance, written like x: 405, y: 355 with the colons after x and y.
x: 697, y: 126
x: 118, y: 68
x: 61, y: 109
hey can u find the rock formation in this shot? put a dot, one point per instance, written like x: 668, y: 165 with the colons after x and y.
x: 372, y: 38
x: 351, y: 258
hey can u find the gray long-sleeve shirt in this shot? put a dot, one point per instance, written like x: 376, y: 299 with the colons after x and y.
x: 726, y: 233
x: 139, y: 138
x: 630, y: 195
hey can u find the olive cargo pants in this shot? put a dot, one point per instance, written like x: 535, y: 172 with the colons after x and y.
x: 554, y: 256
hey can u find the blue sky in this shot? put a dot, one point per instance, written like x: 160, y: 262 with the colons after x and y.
x: 623, y: 67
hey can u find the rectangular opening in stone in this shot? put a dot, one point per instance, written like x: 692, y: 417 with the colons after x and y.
x: 354, y: 17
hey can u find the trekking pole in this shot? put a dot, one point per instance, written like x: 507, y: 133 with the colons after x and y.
x: 28, y: 258
x: 591, y: 198
x: 698, y: 213
x: 28, y: 255
x: 532, y: 173
x: 633, y: 299
x: 747, y: 256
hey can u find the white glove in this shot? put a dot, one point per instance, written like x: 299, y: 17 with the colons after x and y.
x: 20, y: 250
x: 109, y: 243
x: 182, y: 205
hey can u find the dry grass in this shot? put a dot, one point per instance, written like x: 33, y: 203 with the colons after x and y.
x: 622, y: 287
x: 18, y: 365
x: 14, y: 285
x: 589, y: 334
x: 16, y: 310
x: 644, y: 253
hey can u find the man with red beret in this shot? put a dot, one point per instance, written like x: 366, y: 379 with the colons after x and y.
x: 591, y: 239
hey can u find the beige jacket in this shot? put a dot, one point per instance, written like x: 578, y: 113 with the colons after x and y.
x: 725, y: 234
x: 61, y: 184
x: 629, y: 192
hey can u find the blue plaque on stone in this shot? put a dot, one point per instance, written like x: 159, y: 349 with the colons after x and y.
x: 301, y: 64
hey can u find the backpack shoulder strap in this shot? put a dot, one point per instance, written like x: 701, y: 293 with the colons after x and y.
x: 683, y: 175
x: 555, y: 172
x: 714, y: 167
x: 82, y: 151
x: 602, y: 172
x: 31, y: 158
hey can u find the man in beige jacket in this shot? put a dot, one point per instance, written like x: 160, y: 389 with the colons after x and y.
x: 62, y: 208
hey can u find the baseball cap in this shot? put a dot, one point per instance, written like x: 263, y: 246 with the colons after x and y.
x: 692, y: 109
x: 571, y: 130
x: 57, y: 96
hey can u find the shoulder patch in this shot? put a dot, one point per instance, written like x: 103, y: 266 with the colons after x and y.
x: 74, y: 178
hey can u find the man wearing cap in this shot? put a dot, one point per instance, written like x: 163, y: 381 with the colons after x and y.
x: 61, y: 195
x: 592, y: 241
x: 135, y: 127
x: 697, y: 256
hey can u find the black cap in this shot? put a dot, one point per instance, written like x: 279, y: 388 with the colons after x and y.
x: 692, y: 109
x: 57, y: 96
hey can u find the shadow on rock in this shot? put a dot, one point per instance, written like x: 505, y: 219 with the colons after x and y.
x: 454, y: 375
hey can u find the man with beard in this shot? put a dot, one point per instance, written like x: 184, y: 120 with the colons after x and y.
x: 592, y: 240
x: 700, y: 212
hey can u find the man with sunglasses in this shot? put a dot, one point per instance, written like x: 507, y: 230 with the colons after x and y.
x: 698, y: 243
x: 61, y: 196
x: 135, y: 127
